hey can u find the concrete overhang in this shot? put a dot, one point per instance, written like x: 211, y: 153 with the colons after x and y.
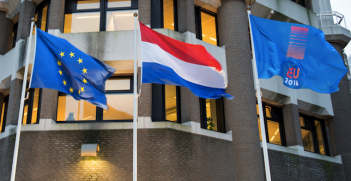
x: 337, y: 34
x: 284, y: 10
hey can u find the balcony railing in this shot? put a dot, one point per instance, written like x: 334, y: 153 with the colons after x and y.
x: 329, y: 18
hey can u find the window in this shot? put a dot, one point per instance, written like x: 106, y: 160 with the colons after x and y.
x: 313, y: 135
x: 164, y: 14
x: 206, y: 26
x: 274, y: 125
x: 99, y: 15
x: 212, y: 115
x: 165, y: 103
x: 3, y: 113
x: 14, y: 35
x: 119, y: 94
x: 31, y: 110
x: 170, y: 14
x: 41, y: 16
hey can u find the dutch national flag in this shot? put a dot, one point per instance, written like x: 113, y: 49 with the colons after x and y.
x: 169, y: 61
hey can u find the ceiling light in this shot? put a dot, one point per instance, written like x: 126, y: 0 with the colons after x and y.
x: 213, y: 39
x: 120, y: 15
x: 203, y: 35
x: 87, y: 17
x: 172, y: 24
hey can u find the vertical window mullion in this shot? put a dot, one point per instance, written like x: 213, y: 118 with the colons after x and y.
x: 178, y: 104
x: 175, y: 14
x: 103, y: 7
x: 315, y: 137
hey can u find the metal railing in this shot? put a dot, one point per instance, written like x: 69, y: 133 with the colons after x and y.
x: 328, y: 18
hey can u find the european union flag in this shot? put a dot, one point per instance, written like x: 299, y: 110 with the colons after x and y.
x: 298, y: 53
x: 61, y: 66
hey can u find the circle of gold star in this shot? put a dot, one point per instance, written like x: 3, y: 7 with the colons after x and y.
x: 80, y: 60
x: 84, y: 71
x: 70, y: 90
x: 82, y: 88
x: 62, y: 54
x: 64, y: 82
x: 71, y: 54
x: 58, y: 63
x: 60, y: 72
x: 85, y: 81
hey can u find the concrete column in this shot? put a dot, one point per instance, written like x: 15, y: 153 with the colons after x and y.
x: 340, y: 124
x: 292, y: 125
x: 190, y: 106
x: 5, y: 33
x: 144, y: 8
x: 14, y: 102
x: 240, y: 113
x: 56, y: 14
x: 48, y: 104
x: 186, y: 16
x: 144, y: 105
x: 26, y: 13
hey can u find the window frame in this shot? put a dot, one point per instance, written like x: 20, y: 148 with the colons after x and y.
x: 312, y: 128
x: 280, y: 121
x: 203, y: 115
x: 39, y: 10
x: 158, y: 97
x: 71, y: 7
x: 99, y: 111
x: 6, y: 101
x: 198, y: 28
x: 29, y: 101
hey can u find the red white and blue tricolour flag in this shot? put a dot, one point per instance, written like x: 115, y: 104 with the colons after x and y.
x: 169, y: 61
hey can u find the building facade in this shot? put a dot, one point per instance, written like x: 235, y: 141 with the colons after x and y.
x: 180, y: 136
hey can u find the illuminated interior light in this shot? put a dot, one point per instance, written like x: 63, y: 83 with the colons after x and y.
x: 87, y: 17
x: 203, y: 35
x: 35, y: 109
x: 213, y: 39
x: 120, y: 15
x: 276, y: 132
x: 87, y: 117
x: 172, y: 24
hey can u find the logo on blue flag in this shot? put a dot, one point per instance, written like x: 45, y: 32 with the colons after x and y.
x: 298, y: 53
x: 61, y: 66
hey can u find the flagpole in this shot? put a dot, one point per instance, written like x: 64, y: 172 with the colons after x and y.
x: 135, y: 110
x: 20, y: 114
x: 259, y: 100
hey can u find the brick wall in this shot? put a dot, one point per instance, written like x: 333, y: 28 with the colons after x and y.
x: 163, y: 154
x: 285, y: 166
x: 7, y: 146
x: 14, y: 102
x: 5, y: 35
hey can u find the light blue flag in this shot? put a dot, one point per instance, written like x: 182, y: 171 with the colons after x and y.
x: 298, y: 53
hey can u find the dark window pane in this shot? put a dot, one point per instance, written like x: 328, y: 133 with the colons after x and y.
x: 120, y: 107
x: 302, y: 122
x: 320, y: 137
x: 119, y: 3
x: 82, y: 22
x: 25, y: 114
x: 120, y: 20
x: 307, y: 140
x: 44, y: 16
x: 168, y: 14
x: 70, y: 109
x: 88, y: 4
x: 171, y: 102
x: 208, y: 26
x: 35, y: 105
x: 211, y: 114
x: 2, y: 113
x: 273, y: 132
